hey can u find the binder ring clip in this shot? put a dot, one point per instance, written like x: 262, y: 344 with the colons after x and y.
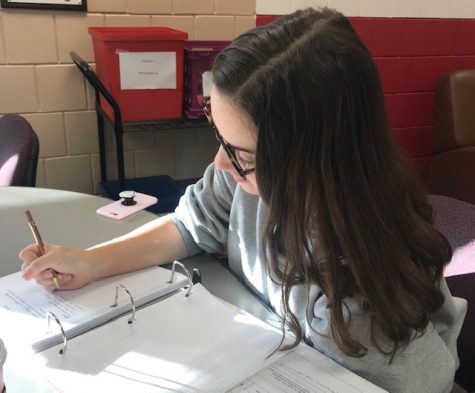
x: 50, y: 315
x: 190, y: 281
x: 116, y: 301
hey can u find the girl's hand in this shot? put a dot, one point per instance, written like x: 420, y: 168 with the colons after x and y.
x: 73, y: 266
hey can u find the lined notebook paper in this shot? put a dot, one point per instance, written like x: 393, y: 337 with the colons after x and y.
x: 187, y: 344
x: 24, y: 305
x: 180, y: 344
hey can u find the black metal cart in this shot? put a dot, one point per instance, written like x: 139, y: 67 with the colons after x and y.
x: 121, y: 127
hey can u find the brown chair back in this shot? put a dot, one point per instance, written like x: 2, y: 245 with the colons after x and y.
x: 452, y: 166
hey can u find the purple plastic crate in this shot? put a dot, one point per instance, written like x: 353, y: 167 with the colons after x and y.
x: 199, y: 57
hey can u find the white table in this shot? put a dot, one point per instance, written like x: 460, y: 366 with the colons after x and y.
x: 69, y: 218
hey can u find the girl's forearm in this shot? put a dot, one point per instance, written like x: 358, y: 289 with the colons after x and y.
x: 154, y: 243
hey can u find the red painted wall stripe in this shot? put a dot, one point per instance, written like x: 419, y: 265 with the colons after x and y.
x: 411, y: 54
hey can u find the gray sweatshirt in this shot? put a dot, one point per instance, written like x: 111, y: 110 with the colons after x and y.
x: 3, y: 354
x: 217, y: 216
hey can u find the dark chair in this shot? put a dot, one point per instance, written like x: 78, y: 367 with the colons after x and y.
x: 451, y: 176
x: 19, y: 149
x: 452, y: 166
x: 456, y: 220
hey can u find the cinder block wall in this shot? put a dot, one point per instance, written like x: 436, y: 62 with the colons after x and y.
x: 39, y: 81
x: 413, y: 41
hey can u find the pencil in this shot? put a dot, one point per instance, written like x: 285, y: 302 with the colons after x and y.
x: 39, y: 242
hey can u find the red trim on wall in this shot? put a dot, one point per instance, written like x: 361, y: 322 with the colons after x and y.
x: 262, y: 20
x: 411, y: 54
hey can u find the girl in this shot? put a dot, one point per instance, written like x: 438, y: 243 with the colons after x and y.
x: 313, y: 205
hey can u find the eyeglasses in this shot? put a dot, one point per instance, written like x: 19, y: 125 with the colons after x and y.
x: 230, y: 150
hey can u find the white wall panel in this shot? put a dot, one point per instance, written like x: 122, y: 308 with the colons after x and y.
x: 461, y: 9
x: 273, y: 7
x: 347, y: 7
x: 298, y: 4
x: 406, y: 8
x: 376, y: 8
x: 435, y: 8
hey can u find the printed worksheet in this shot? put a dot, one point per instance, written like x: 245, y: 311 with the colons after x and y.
x: 305, y: 370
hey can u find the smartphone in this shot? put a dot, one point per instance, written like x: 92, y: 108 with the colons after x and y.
x: 131, y: 202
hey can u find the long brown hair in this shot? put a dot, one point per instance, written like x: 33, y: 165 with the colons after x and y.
x: 345, y: 210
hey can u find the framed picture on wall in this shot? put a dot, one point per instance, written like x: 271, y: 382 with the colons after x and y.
x: 68, y: 5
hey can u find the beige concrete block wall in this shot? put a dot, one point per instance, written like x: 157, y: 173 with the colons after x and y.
x: 39, y: 81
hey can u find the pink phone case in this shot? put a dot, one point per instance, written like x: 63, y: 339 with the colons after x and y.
x: 117, y: 211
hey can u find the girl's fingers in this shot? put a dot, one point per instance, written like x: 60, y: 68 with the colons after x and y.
x: 46, y: 280
x: 50, y: 287
x: 29, y: 253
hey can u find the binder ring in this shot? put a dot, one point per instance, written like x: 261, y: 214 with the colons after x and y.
x: 50, y: 315
x: 190, y: 281
x: 116, y: 300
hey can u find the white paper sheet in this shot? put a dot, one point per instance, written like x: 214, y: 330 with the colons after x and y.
x: 206, y: 82
x: 184, y: 344
x: 181, y: 344
x: 147, y: 70
x: 305, y: 370
x: 24, y: 305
